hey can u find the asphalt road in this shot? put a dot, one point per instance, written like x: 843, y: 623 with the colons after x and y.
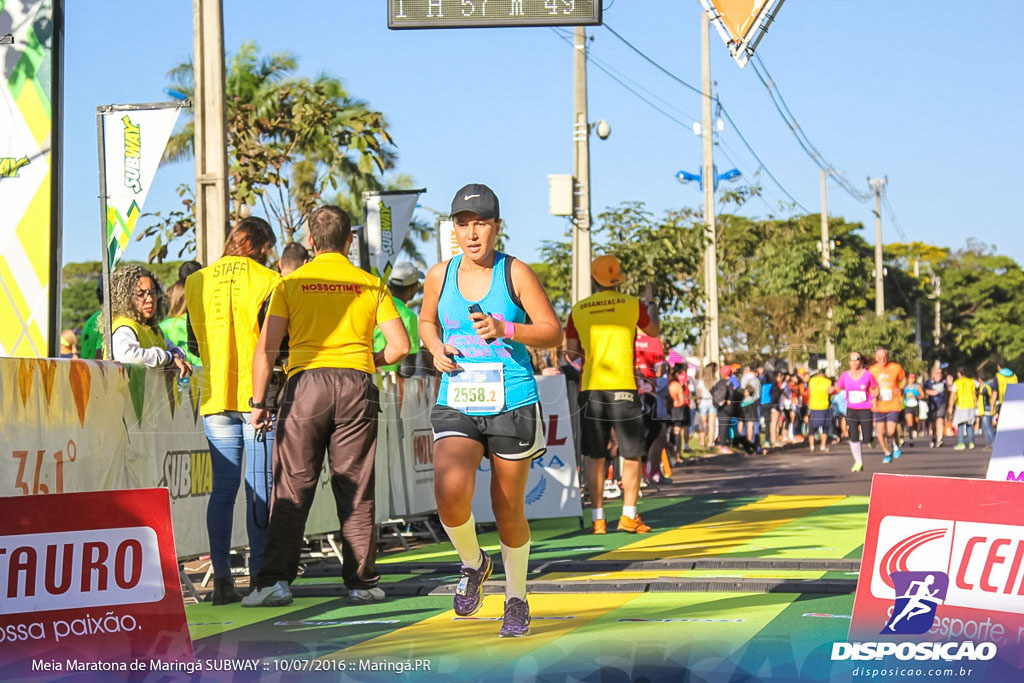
x: 796, y: 471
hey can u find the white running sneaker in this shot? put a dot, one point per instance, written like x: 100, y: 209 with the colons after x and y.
x: 366, y: 595
x: 271, y: 596
x: 611, y: 490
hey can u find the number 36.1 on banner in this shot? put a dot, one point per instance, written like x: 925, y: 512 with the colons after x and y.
x: 39, y: 465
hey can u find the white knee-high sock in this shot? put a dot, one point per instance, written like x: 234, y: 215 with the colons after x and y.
x: 463, y: 537
x: 516, y: 561
x: 855, y: 448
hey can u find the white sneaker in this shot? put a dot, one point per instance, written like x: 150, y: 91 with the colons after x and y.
x: 271, y: 596
x: 366, y: 595
x: 611, y: 490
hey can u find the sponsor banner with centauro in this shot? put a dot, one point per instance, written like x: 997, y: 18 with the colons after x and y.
x: 553, y: 489
x: 1007, y: 460
x: 89, y: 580
x: 133, y: 143
x: 29, y: 225
x: 943, y: 562
x: 388, y: 215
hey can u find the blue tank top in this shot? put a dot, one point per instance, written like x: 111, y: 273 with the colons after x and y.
x: 457, y: 330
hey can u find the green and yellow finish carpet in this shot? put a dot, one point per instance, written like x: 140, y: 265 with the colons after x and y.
x: 738, y: 589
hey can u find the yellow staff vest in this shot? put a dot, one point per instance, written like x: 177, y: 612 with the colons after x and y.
x: 148, y: 336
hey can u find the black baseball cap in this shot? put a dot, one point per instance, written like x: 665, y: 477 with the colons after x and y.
x: 477, y: 198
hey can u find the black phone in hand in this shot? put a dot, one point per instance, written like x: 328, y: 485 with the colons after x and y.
x: 475, y: 308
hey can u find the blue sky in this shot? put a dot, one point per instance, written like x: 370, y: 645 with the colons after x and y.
x: 919, y: 91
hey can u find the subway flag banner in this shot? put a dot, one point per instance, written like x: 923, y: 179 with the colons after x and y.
x: 133, y: 143
x: 28, y: 72
x: 956, y: 548
x: 388, y: 215
x: 89, y: 579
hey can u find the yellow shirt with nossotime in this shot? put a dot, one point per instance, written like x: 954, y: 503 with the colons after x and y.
x: 331, y: 307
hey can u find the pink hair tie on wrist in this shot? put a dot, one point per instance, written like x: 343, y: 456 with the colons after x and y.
x: 510, y: 329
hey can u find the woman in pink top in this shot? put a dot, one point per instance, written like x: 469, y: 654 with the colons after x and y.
x: 860, y: 386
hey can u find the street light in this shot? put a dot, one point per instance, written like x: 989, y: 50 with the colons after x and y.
x: 686, y: 177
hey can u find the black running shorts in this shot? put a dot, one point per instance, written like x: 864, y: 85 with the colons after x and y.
x: 513, y: 435
x: 602, y: 411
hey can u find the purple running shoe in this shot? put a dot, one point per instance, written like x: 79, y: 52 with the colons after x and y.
x: 516, y: 622
x: 469, y: 594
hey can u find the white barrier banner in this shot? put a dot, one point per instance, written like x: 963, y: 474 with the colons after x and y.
x: 77, y: 425
x: 1007, y: 460
x: 412, y: 450
x: 553, y: 489
x: 60, y: 426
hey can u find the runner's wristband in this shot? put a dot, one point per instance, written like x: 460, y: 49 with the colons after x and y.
x: 510, y: 329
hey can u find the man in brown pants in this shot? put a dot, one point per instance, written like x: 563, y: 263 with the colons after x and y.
x: 329, y: 308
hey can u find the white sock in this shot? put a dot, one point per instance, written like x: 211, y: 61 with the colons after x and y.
x: 629, y: 511
x: 597, y: 513
x: 855, y: 448
x: 516, y: 562
x: 463, y: 537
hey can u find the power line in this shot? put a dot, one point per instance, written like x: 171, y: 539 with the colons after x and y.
x: 608, y: 73
x: 779, y: 102
x: 721, y: 108
x: 892, y: 217
x: 750, y: 149
x: 567, y: 37
x: 653, y: 63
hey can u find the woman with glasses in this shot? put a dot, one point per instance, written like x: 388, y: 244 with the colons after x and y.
x: 137, y: 305
x: 860, y: 387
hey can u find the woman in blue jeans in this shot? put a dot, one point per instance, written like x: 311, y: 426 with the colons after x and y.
x: 226, y: 305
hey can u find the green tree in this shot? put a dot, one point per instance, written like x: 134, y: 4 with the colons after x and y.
x: 774, y: 291
x: 892, y: 332
x: 78, y: 288
x: 663, y: 253
x: 290, y: 140
x: 982, y: 309
x: 555, y: 272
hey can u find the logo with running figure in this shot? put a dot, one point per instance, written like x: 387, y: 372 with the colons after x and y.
x: 918, y: 595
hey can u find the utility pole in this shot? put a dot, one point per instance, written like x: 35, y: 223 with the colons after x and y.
x: 916, y: 326
x: 879, y: 183
x: 937, y: 285
x: 210, y: 136
x: 826, y: 261
x: 708, y: 174
x: 581, y: 250
x: 917, y: 310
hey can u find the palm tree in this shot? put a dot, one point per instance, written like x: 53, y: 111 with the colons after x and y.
x: 290, y: 138
x: 248, y: 75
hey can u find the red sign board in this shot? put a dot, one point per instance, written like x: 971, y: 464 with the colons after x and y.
x: 89, y: 580
x: 966, y: 534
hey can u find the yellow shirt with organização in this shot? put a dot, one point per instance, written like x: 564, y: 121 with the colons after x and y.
x: 605, y: 324
x: 331, y: 308
x: 223, y: 302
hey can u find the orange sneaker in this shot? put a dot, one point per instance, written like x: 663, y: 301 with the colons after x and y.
x: 633, y: 526
x: 600, y: 526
